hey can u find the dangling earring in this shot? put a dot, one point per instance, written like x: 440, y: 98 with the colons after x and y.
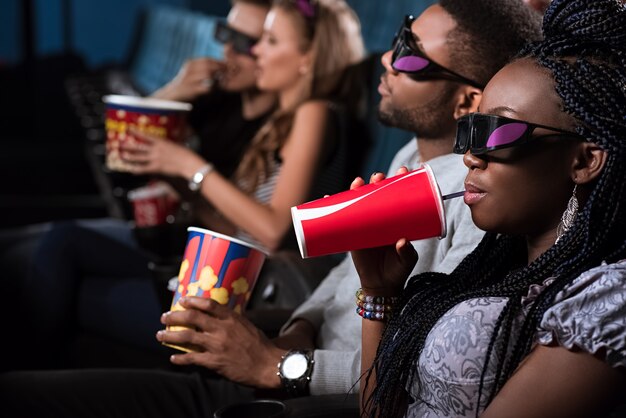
x: 569, y: 216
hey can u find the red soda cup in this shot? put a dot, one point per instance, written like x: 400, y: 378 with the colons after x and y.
x: 407, y: 206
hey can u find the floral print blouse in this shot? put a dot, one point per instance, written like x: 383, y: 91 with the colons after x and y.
x: 589, y: 314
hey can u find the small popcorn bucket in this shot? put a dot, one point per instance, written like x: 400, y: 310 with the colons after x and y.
x: 219, y: 267
x: 406, y: 206
x: 153, y: 205
x: 162, y: 118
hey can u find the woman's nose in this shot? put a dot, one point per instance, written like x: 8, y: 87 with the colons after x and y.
x: 472, y: 161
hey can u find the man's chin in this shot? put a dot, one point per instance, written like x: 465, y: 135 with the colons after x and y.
x: 385, y: 118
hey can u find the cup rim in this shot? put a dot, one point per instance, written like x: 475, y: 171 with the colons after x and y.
x: 439, y: 201
x: 146, y: 102
x: 299, y: 231
x: 147, y: 192
x: 228, y: 238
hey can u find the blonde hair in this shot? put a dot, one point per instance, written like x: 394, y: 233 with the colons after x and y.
x: 333, y: 35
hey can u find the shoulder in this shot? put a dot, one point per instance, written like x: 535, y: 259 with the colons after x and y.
x: 310, y: 119
x: 407, y: 156
x: 590, y: 314
x: 312, y: 108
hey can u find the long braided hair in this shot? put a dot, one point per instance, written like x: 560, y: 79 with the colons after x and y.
x: 585, y: 50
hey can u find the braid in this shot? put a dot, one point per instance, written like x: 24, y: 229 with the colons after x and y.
x: 584, y: 50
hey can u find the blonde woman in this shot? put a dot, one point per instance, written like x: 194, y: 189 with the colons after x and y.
x: 304, y: 49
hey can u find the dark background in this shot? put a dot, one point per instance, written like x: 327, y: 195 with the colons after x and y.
x: 44, y: 174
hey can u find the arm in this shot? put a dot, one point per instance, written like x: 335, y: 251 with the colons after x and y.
x: 301, y: 154
x: 299, y: 334
x: 555, y: 382
x: 226, y: 342
x: 312, y: 310
x: 383, y: 272
x: 223, y: 341
x: 267, y: 223
x: 195, y: 78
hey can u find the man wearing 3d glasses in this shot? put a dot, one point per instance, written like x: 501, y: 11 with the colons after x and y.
x: 228, y: 108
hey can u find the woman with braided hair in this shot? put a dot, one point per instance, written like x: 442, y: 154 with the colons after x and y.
x: 533, y: 322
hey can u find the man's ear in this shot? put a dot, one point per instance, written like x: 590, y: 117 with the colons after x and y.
x: 467, y: 101
x: 588, y: 163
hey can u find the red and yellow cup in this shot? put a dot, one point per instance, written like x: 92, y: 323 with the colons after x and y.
x: 219, y: 267
x: 153, y: 205
x: 405, y: 206
x: 161, y: 118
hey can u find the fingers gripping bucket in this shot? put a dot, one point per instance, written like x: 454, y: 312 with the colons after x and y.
x: 219, y: 267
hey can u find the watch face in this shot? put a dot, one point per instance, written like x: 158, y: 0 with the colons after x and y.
x: 197, y: 177
x: 294, y: 366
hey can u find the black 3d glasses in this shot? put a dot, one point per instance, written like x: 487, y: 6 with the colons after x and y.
x: 480, y: 133
x: 241, y: 42
x: 407, y: 58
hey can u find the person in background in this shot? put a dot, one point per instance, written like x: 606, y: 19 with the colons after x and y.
x: 324, y: 333
x: 284, y: 162
x: 533, y: 322
x: 228, y: 107
x: 297, y: 143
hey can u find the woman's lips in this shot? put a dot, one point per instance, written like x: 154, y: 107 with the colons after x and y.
x: 472, y: 194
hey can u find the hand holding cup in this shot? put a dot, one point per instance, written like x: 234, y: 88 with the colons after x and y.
x: 384, y: 270
x: 408, y: 205
x: 130, y: 120
x: 221, y: 340
x: 156, y: 155
x: 217, y: 267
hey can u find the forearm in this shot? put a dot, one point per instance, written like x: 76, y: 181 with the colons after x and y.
x: 300, y: 334
x: 265, y: 223
x: 371, y: 333
x: 165, y: 93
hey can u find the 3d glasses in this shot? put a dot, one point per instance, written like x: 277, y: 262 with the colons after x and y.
x: 240, y: 42
x: 407, y: 58
x: 480, y: 133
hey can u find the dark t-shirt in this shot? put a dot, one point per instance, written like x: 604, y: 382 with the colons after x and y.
x: 223, y: 132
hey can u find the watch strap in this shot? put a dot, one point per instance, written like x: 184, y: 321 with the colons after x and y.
x: 198, y: 177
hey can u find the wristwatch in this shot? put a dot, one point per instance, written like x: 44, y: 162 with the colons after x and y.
x: 197, y: 178
x: 295, y: 369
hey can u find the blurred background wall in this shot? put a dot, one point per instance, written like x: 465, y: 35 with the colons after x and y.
x: 99, y: 30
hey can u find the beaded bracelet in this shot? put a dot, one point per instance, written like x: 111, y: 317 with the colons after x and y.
x: 380, y: 300
x: 374, y: 316
x: 375, y: 308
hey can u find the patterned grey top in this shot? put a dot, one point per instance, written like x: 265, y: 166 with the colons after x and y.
x: 590, y: 314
